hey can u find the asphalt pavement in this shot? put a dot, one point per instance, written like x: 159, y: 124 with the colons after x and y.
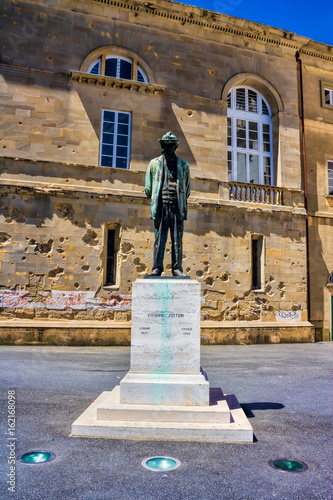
x: 285, y: 390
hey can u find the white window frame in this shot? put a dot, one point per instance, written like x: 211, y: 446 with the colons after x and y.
x: 326, y: 87
x: 115, y: 144
x: 330, y: 177
x: 98, y: 61
x: 330, y: 95
x: 143, y: 74
x: 233, y: 149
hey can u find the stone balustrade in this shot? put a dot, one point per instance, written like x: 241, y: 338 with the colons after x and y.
x: 255, y: 193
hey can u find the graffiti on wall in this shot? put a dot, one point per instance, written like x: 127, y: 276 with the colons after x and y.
x: 288, y: 315
x: 61, y: 300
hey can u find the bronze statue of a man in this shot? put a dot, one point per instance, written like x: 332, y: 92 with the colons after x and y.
x: 168, y: 187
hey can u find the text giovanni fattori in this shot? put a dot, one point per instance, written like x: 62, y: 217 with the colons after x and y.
x: 165, y: 315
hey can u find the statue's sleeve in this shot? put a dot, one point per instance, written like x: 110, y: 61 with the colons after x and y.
x: 188, y: 181
x: 148, y: 181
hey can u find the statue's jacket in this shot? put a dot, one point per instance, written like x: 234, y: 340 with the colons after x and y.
x: 154, y: 184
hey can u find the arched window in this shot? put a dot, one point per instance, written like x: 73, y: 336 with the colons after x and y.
x: 118, y: 67
x: 250, y: 147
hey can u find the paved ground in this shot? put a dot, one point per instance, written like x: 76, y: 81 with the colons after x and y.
x: 285, y: 390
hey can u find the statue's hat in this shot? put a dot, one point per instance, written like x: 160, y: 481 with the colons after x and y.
x: 169, y: 137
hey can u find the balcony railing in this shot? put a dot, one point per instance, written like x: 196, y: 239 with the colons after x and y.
x: 255, y: 193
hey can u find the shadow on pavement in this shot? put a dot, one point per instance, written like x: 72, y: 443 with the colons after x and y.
x: 248, y: 408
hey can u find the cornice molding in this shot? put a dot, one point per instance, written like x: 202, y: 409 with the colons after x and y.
x: 128, y: 196
x: 24, y: 71
x: 116, y: 83
x: 212, y: 21
x: 315, y: 54
x: 73, y: 192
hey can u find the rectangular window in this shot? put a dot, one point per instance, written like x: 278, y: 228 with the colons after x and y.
x: 328, y: 95
x: 115, y: 139
x: 330, y: 177
x: 257, y: 262
x: 111, y: 257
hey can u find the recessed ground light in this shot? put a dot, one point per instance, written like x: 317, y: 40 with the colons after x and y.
x: 287, y: 465
x: 36, y: 457
x: 160, y: 464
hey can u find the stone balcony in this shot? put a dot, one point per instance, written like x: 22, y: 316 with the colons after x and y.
x: 255, y: 193
x: 251, y: 196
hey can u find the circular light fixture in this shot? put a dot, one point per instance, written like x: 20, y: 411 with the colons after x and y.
x: 36, y: 457
x: 160, y: 464
x: 287, y: 465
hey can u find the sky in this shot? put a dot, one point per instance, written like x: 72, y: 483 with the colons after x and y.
x: 310, y: 18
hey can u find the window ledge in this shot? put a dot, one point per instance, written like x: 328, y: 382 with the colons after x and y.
x: 110, y: 287
x: 329, y: 199
x: 327, y: 106
x: 117, y: 83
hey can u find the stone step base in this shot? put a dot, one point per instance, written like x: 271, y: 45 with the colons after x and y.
x: 175, y: 389
x: 162, y: 423
x: 217, y: 412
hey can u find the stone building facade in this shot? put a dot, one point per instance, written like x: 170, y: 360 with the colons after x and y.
x: 316, y: 81
x: 86, y: 90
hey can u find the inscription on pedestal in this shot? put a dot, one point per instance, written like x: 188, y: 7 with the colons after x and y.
x: 166, y: 326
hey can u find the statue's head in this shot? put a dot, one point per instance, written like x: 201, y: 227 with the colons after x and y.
x: 169, y: 143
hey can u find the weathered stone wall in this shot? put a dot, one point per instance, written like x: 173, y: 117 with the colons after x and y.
x: 318, y: 130
x: 57, y: 244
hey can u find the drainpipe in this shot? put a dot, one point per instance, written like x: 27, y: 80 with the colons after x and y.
x: 305, y: 174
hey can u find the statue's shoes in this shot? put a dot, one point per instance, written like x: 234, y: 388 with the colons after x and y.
x: 177, y: 272
x: 155, y: 272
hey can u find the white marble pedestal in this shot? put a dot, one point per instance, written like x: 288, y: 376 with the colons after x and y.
x: 165, y: 345
x: 165, y: 395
